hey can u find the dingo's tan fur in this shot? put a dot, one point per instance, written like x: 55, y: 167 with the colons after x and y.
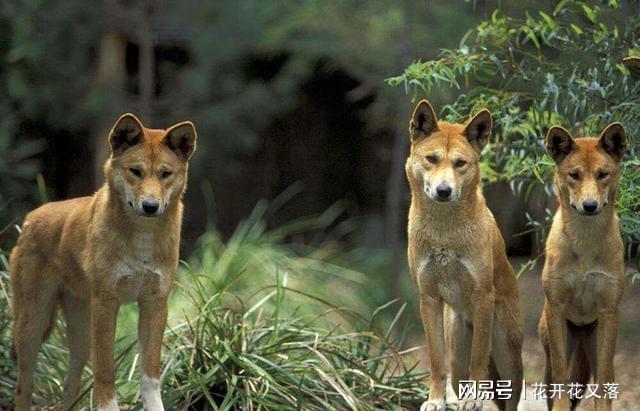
x: 468, y: 289
x: 89, y: 255
x: 583, y: 275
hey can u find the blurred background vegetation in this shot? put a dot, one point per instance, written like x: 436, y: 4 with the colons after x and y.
x: 298, y: 185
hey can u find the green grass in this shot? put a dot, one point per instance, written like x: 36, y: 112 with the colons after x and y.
x: 254, y: 324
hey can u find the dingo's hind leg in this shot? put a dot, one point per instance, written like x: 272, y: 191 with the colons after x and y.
x: 34, y: 308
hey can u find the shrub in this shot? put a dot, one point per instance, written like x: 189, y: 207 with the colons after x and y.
x: 573, y: 64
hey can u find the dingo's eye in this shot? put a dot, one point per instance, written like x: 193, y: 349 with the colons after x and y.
x: 432, y: 159
x: 165, y: 174
x: 460, y: 163
x: 602, y: 175
x: 575, y: 175
x: 136, y: 172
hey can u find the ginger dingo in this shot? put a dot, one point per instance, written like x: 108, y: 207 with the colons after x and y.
x: 583, y: 275
x: 468, y: 289
x: 91, y: 254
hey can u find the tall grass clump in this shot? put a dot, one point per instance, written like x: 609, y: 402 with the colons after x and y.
x: 255, y: 323
x: 255, y: 357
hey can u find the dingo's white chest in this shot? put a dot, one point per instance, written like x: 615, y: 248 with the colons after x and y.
x: 137, y: 272
x: 133, y: 277
x: 443, y: 273
x: 587, y: 290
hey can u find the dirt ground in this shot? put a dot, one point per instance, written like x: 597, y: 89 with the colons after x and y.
x: 627, y: 366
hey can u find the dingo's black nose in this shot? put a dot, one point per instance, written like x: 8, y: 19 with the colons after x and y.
x: 590, y: 206
x: 444, y: 191
x: 150, y: 206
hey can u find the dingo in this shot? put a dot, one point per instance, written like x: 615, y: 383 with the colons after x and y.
x: 92, y: 254
x: 468, y: 289
x: 583, y: 275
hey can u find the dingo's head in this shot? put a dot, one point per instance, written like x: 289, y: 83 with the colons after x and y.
x: 148, y: 168
x: 587, y: 168
x: 444, y: 161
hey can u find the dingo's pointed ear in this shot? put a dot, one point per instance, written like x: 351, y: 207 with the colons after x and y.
x: 126, y: 133
x: 613, y: 140
x: 559, y: 143
x: 181, y: 139
x: 423, y: 121
x: 478, y: 129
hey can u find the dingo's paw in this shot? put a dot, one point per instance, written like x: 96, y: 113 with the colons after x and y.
x: 150, y: 392
x: 434, y: 405
x: 470, y: 405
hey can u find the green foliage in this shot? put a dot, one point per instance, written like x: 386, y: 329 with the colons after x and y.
x: 47, y: 73
x: 253, y: 325
x: 556, y: 66
x: 7, y: 365
x: 255, y: 251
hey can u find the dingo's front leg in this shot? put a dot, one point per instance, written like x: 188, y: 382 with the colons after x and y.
x: 557, y: 334
x: 483, y: 309
x: 104, y: 312
x: 606, y: 346
x: 431, y: 312
x: 151, y: 325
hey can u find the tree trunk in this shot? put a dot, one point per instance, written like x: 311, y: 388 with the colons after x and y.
x: 396, y: 192
x: 146, y: 74
x: 396, y: 185
x: 110, y: 78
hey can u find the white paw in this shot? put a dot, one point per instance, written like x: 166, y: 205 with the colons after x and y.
x: 110, y: 406
x: 434, y: 405
x: 470, y: 405
x: 150, y: 393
